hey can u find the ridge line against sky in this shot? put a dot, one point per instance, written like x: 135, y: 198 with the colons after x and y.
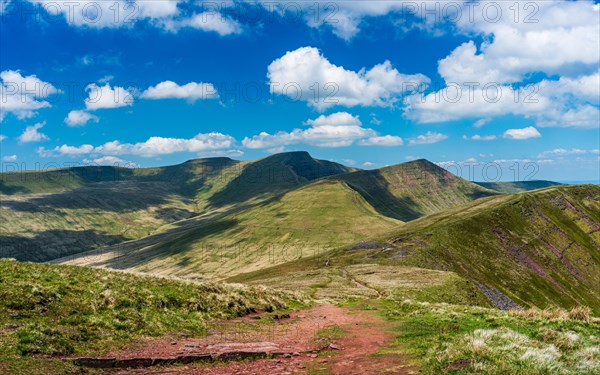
x: 362, y: 83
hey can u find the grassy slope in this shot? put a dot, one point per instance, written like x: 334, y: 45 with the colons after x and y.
x: 66, y: 310
x: 323, y: 215
x: 410, y: 190
x: 517, y: 186
x: 51, y: 214
x: 301, y: 223
x: 539, y: 248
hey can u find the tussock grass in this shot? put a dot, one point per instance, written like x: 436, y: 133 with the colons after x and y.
x: 582, y: 313
x: 445, y: 338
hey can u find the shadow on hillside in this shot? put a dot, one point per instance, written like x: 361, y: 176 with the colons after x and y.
x: 274, y: 174
x: 116, y: 196
x: 160, y: 246
x: 171, y: 214
x: 11, y: 190
x: 53, y: 244
x: 376, y: 190
x: 184, y: 178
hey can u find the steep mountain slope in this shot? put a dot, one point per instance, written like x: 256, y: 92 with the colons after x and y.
x: 410, y: 190
x: 517, y: 186
x: 301, y: 223
x: 49, y: 214
x: 538, y: 248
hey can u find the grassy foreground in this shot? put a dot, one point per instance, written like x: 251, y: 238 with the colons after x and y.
x: 48, y: 310
x: 459, y: 339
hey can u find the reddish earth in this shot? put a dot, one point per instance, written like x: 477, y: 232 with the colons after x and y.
x: 365, y: 334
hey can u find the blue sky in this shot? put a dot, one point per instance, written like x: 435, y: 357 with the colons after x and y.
x: 366, y: 84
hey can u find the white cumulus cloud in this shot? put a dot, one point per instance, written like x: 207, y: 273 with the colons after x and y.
x: 427, y: 138
x: 109, y: 14
x: 206, y: 21
x: 154, y: 146
x: 190, y: 91
x: 340, y: 129
x: 521, y: 134
x: 305, y: 74
x: 23, y: 96
x: 100, y: 97
x: 31, y: 134
x: 80, y: 118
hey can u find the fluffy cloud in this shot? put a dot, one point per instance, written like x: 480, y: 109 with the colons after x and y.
x: 65, y: 150
x: 552, y: 103
x: 22, y: 95
x: 2, y: 137
x: 100, y: 97
x: 583, y: 117
x: 457, y: 102
x: 386, y: 140
x: 304, y: 74
x: 478, y: 137
x: 191, y: 91
x: 154, y: 146
x: 344, y: 18
x: 427, y: 138
x: 31, y: 134
x: 9, y: 158
x: 513, y: 50
x: 339, y: 129
x: 335, y: 119
x: 110, y: 14
x: 206, y: 21
x: 80, y: 118
x: 521, y: 134
x: 516, y: 48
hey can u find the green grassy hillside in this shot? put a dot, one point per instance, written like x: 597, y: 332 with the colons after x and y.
x: 539, y: 248
x: 410, y: 190
x: 304, y: 222
x: 46, y: 215
x: 517, y: 186
x: 316, y: 218
x: 64, y: 310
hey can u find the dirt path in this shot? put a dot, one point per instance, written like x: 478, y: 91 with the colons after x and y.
x: 325, y: 339
x: 358, y: 284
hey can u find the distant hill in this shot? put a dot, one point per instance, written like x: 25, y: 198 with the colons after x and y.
x: 303, y: 222
x: 410, y: 190
x: 517, y: 186
x: 315, y: 218
x: 49, y: 214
